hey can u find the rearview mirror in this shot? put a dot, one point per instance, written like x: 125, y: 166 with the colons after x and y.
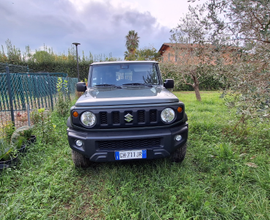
x: 81, y: 87
x: 169, y: 83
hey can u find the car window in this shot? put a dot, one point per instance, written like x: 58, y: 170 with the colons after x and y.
x: 119, y: 74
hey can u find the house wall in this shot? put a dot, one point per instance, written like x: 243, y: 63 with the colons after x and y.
x: 185, y: 56
x: 168, y: 55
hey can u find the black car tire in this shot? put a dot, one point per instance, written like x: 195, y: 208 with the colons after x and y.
x: 179, y: 155
x: 79, y: 160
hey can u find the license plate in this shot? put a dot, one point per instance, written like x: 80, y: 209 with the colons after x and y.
x: 130, y: 154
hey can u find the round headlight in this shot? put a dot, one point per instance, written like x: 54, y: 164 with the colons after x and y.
x: 88, y: 119
x: 167, y: 115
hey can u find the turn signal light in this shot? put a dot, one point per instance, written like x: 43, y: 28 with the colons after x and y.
x: 179, y: 109
x: 75, y: 114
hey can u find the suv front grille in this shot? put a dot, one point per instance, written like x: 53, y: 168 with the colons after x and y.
x: 129, y: 144
x: 128, y: 118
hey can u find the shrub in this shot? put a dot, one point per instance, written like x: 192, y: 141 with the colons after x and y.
x: 37, y: 115
x: 21, y: 135
x: 8, y: 129
x: 6, y: 150
x: 62, y: 105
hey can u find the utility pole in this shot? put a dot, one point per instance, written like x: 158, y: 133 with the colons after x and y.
x: 76, y: 44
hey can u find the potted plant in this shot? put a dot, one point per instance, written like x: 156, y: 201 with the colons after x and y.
x: 22, y: 137
x: 8, y: 154
x: 27, y: 136
x: 21, y: 143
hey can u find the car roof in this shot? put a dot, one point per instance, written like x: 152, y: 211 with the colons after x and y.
x: 122, y: 62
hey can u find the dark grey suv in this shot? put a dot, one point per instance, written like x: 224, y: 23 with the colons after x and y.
x: 126, y: 113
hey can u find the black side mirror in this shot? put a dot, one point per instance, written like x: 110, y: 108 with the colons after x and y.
x: 81, y: 87
x: 169, y: 83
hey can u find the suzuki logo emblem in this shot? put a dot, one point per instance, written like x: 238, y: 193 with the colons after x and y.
x: 128, y: 117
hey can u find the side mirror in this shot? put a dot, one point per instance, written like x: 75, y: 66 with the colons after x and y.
x: 81, y: 87
x: 169, y: 83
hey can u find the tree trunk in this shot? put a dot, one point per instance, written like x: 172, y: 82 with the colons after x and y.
x: 197, y: 92
x: 196, y: 88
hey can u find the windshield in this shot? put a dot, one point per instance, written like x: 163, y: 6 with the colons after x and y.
x: 124, y: 74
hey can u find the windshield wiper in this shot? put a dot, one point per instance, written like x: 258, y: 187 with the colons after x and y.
x: 137, y: 84
x: 108, y: 85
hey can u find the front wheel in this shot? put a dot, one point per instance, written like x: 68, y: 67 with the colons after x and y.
x: 179, y: 154
x: 79, y: 160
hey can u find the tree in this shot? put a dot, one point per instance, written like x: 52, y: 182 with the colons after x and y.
x: 13, y: 55
x: 148, y: 53
x: 43, y: 56
x: 132, y: 43
x: 237, y: 35
x: 193, y: 55
x: 244, y: 24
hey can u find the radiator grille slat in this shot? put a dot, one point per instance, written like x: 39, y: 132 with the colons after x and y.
x: 153, y: 115
x: 103, y: 118
x: 115, y: 117
x: 141, y: 116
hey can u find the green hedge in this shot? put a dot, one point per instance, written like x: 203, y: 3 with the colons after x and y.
x: 207, y: 84
x: 67, y: 67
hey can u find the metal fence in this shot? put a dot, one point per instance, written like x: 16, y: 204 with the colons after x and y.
x: 20, y: 89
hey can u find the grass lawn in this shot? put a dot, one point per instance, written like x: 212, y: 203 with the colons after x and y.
x: 226, y: 175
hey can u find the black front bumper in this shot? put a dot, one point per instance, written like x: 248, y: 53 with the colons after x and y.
x: 100, y: 146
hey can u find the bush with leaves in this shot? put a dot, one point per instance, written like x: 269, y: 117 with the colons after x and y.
x: 208, y: 82
x: 44, y: 126
x: 7, y: 151
x: 63, y: 102
x: 8, y: 130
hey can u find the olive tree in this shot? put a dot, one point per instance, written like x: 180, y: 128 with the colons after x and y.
x: 244, y: 24
x: 193, y: 55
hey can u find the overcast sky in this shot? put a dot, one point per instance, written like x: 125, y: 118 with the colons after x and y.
x: 99, y: 25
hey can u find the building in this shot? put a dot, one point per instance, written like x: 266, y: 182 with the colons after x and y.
x: 194, y: 53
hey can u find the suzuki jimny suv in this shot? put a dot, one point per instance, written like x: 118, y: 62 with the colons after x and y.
x: 126, y: 113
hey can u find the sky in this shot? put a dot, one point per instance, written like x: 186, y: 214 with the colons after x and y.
x: 100, y: 26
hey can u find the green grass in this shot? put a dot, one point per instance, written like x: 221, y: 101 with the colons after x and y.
x: 226, y: 175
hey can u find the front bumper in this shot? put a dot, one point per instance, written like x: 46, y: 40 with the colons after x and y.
x: 100, y: 146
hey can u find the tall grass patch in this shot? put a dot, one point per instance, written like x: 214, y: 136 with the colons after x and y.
x: 225, y: 175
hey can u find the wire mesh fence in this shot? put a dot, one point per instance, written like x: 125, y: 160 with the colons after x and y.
x: 21, y: 89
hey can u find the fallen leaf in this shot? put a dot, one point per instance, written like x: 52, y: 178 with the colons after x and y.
x: 251, y: 164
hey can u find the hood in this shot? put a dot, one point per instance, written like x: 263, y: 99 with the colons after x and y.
x: 125, y: 96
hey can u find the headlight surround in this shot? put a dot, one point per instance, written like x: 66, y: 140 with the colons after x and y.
x: 88, y: 119
x: 167, y: 115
